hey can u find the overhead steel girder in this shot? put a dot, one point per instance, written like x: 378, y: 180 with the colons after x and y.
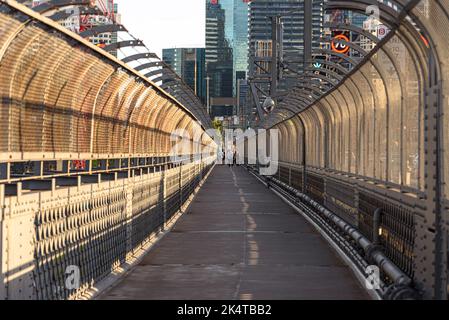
x: 303, y: 102
x: 171, y: 87
x: 124, y: 44
x: 288, y: 108
x: 179, y: 88
x: 256, y: 99
x: 335, y: 76
x: 155, y: 72
x: 150, y: 65
x: 147, y: 55
x: 62, y: 15
x: 195, y: 103
x: 298, y: 97
x: 296, y: 101
x: 56, y: 4
x: 353, y: 61
x: 313, y: 76
x: 315, y: 87
x: 388, y: 15
x: 312, y: 88
x: 339, y: 67
x: 106, y: 28
x: 352, y: 28
x: 282, y: 115
x: 165, y: 77
x: 175, y: 83
x: 170, y: 84
x: 305, y: 95
x: 334, y: 65
x: 176, y: 90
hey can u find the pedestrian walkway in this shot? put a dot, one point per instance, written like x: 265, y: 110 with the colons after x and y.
x: 240, y: 241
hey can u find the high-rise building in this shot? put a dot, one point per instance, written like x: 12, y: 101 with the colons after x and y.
x: 219, y: 56
x: 219, y: 60
x: 189, y: 64
x: 226, y: 51
x: 236, y: 32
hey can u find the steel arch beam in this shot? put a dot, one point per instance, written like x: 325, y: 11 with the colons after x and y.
x: 62, y: 15
x: 150, y: 65
x: 352, y: 28
x: 353, y: 61
x: 164, y: 77
x: 155, y: 73
x: 313, y: 76
x: 349, y: 44
x: 124, y: 44
x: 147, y: 55
x: 313, y: 89
x: 333, y: 75
x: 56, y: 4
x: 334, y: 65
x: 305, y: 95
x: 297, y: 100
x: 106, y: 28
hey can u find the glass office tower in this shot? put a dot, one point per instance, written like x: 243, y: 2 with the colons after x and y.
x: 219, y: 57
x: 189, y: 64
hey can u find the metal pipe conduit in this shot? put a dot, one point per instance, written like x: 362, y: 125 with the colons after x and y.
x: 374, y: 253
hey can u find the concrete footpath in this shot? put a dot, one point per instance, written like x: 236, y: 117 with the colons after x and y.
x: 239, y: 241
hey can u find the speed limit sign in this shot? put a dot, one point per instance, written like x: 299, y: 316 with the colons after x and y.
x: 340, y: 44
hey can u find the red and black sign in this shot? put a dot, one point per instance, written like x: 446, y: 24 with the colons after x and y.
x: 339, y: 43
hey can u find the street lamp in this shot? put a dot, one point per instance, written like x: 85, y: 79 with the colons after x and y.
x: 269, y: 105
x: 238, y: 106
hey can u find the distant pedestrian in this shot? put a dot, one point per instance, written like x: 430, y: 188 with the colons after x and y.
x: 236, y: 158
x: 229, y: 157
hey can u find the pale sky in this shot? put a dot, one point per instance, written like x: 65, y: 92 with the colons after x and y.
x: 165, y: 23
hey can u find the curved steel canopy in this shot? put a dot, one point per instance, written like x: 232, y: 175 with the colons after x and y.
x: 87, y: 7
x: 390, y: 14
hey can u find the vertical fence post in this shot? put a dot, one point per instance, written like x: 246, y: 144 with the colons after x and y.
x: 289, y: 176
x: 180, y: 187
x: 304, y: 156
x: 17, y: 247
x: 164, y: 194
x: 430, y: 245
x: 2, y: 243
x: 129, y: 186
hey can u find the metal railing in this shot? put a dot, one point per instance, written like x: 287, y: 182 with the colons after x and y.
x: 89, y: 231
